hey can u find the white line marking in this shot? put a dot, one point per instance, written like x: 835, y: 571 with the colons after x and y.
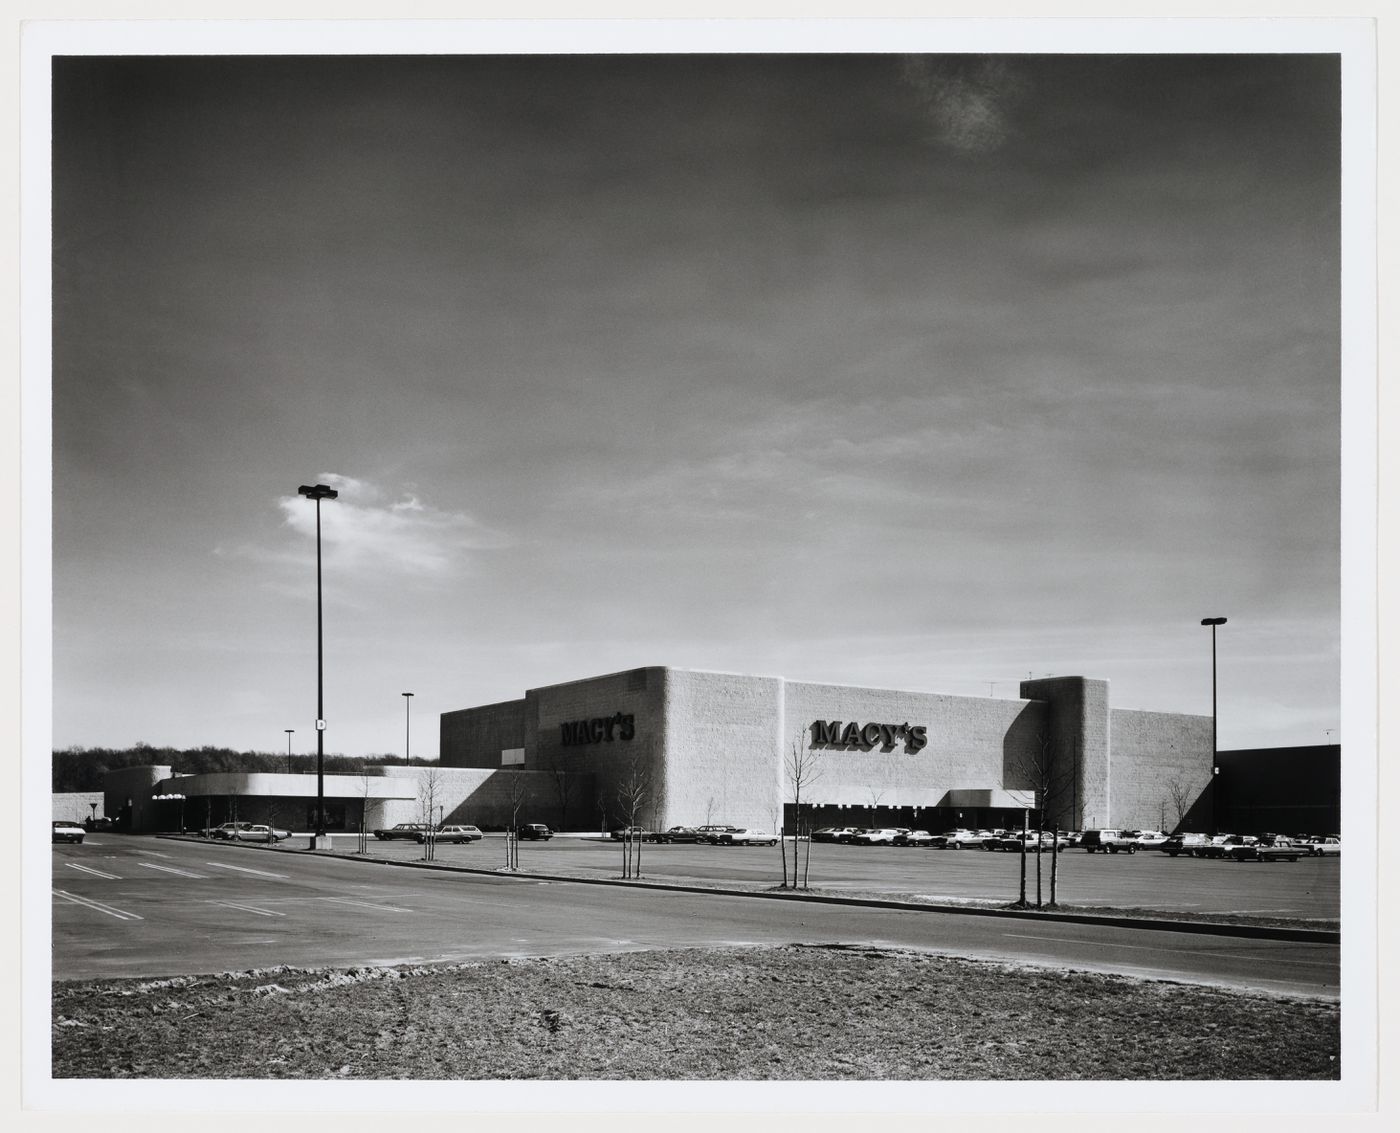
x: 248, y: 908
x: 172, y: 869
x: 363, y: 904
x: 246, y: 869
x: 153, y: 853
x: 1186, y: 951
x: 98, y: 906
x: 94, y: 872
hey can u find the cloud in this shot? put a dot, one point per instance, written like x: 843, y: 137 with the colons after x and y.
x: 367, y: 527
x: 965, y: 100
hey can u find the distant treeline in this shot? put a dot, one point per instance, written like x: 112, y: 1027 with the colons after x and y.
x: 82, y: 768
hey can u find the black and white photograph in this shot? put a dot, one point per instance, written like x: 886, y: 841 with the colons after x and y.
x: 700, y: 559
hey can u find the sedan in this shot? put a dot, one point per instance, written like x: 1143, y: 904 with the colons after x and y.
x: 679, y: 834
x: 67, y: 831
x: 248, y: 832
x: 746, y: 837
x: 882, y: 837
x: 457, y: 834
x: 919, y: 838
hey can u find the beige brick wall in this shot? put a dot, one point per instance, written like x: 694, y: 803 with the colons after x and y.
x: 475, y: 737
x: 712, y: 746
x: 1151, y: 752
x: 722, y: 749
x: 973, y: 743
x: 638, y: 693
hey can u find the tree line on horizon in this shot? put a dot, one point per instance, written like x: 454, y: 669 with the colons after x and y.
x: 83, y: 768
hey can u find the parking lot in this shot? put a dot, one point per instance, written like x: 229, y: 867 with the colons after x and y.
x: 1306, y: 889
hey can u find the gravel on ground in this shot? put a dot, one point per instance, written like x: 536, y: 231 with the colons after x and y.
x: 795, y: 1012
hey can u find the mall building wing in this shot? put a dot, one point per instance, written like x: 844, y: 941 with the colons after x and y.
x: 693, y: 747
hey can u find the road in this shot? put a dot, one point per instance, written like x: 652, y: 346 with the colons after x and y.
x: 148, y: 907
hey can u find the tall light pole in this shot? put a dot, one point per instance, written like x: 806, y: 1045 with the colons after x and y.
x: 1214, y: 725
x: 289, y: 732
x: 319, y: 492
x: 407, y: 701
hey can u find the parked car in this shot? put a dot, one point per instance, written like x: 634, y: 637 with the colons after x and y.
x: 833, y: 833
x: 64, y: 831
x: 711, y: 833
x: 919, y: 838
x: 1223, y: 845
x: 884, y: 836
x: 1324, y: 845
x: 408, y: 831
x: 530, y: 832
x: 450, y: 832
x: 226, y: 829
x: 679, y: 834
x: 1108, y: 842
x: 1179, y: 844
x: 1272, y: 849
x: 636, y: 832
x: 1150, y: 839
x: 259, y: 832
x: 746, y: 837
x: 961, y: 839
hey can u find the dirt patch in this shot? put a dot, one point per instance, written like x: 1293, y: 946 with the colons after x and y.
x: 787, y: 1013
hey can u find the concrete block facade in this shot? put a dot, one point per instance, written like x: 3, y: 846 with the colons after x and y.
x: 1161, y: 766
x: 704, y: 747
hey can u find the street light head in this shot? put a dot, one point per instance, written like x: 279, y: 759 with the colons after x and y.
x: 1213, y: 621
x: 318, y: 492
x: 406, y: 694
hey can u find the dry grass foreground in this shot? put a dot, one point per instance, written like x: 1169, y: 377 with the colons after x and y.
x: 794, y: 1012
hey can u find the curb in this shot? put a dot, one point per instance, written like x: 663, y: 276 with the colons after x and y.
x: 1160, y: 924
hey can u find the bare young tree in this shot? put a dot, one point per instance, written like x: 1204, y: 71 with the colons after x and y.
x: 515, y: 793
x: 873, y: 799
x: 1180, y: 795
x: 1047, y: 774
x: 803, y: 768
x: 633, y: 790
x: 429, y: 788
x: 362, y: 782
x: 563, y: 788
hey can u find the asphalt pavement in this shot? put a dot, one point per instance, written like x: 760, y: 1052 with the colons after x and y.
x: 148, y: 907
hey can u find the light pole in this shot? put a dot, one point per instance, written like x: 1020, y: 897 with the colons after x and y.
x: 289, y: 732
x: 1214, y: 725
x: 319, y: 492
x: 407, y: 702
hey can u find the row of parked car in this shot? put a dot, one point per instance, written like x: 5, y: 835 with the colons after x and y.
x: 719, y: 834
x: 456, y: 833
x: 1245, y: 847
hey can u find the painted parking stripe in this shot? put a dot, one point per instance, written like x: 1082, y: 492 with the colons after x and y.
x: 249, y: 909
x: 247, y: 869
x: 98, y: 906
x: 172, y: 869
x: 94, y: 872
x: 363, y: 904
x: 153, y: 853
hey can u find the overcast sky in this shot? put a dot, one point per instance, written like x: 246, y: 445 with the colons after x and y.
x: 927, y: 373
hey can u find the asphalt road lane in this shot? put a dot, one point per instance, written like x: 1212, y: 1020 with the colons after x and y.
x: 148, y: 907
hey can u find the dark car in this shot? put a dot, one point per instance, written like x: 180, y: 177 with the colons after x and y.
x: 637, y: 833
x: 409, y: 831
x: 534, y: 832
x: 679, y: 834
x: 710, y: 834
